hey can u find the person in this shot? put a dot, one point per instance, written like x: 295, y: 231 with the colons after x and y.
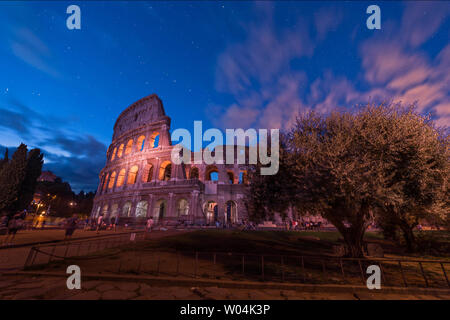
x: 71, y: 225
x: 14, y: 224
x: 115, y: 221
x: 86, y: 224
x: 149, y: 225
x: 99, y: 223
x: 217, y: 224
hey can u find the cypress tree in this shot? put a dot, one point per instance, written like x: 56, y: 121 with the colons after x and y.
x: 5, y: 160
x: 28, y: 186
x: 11, y: 178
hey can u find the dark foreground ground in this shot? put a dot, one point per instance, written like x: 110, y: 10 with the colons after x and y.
x: 195, y: 263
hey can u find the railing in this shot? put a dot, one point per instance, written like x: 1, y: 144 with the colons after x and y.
x: 79, y: 248
x: 137, y: 259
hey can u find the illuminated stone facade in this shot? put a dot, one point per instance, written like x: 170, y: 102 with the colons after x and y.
x: 139, y: 179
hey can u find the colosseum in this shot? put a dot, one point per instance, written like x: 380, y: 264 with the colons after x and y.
x: 139, y: 179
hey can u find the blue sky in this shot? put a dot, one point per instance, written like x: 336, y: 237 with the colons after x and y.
x: 231, y: 64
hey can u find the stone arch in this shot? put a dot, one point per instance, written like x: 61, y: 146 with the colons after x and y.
x: 121, y: 178
x: 211, y: 169
x: 126, y: 209
x: 165, y: 171
x: 182, y: 207
x: 154, y: 140
x: 112, y: 179
x: 243, y: 177
x: 129, y: 147
x: 147, y: 174
x: 104, y: 210
x: 132, y: 175
x: 231, y: 214
x: 113, y: 156
x: 140, y: 143
x: 120, y: 151
x: 230, y: 176
x: 105, y: 182
x: 194, y: 173
x: 160, y: 210
x: 141, y: 209
x: 211, y: 211
x: 114, y: 210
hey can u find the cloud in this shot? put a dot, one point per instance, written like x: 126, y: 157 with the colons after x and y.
x: 327, y: 20
x: 421, y: 20
x: 254, y: 73
x: 75, y: 158
x: 267, y: 92
x: 29, y: 48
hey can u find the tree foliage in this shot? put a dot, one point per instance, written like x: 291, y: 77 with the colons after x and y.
x: 384, y: 161
x: 12, y: 176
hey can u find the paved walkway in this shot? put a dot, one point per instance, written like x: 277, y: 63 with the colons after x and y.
x: 19, y: 288
x: 42, y: 236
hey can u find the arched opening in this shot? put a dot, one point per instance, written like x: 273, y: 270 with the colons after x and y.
x: 182, y: 207
x: 243, y: 178
x: 140, y: 143
x: 147, y: 175
x: 211, y: 173
x: 159, y: 211
x: 105, y: 210
x: 194, y: 174
x: 120, y: 151
x: 129, y: 146
x: 97, y: 212
x: 126, y: 209
x: 141, y: 209
x: 165, y: 171
x: 210, y: 208
x: 114, y: 210
x: 121, y: 178
x: 112, y: 179
x: 132, y: 175
x: 231, y: 212
x: 105, y: 182
x: 113, y: 156
x: 230, y: 176
x: 154, y: 140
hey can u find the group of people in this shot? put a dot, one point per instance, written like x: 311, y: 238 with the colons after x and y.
x: 13, y: 224
x: 303, y: 225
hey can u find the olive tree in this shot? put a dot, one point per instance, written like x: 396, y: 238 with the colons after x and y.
x: 383, y: 160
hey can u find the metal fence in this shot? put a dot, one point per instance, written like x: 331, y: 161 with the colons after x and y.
x: 121, y: 254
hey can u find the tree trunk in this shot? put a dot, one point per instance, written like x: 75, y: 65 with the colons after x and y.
x: 409, y: 237
x: 354, y: 242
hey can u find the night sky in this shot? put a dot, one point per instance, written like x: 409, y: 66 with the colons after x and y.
x: 231, y: 64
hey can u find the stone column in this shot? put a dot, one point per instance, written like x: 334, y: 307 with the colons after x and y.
x: 170, y: 206
x: 150, y: 206
x: 223, y: 177
x: 194, y: 206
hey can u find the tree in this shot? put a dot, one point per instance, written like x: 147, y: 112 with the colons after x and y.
x: 11, y: 178
x: 5, y: 160
x: 338, y: 171
x: 28, y: 185
x: 386, y: 161
x: 418, y: 163
x: 56, y: 196
x: 269, y: 194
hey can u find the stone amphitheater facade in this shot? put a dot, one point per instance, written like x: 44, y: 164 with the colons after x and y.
x: 139, y: 179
